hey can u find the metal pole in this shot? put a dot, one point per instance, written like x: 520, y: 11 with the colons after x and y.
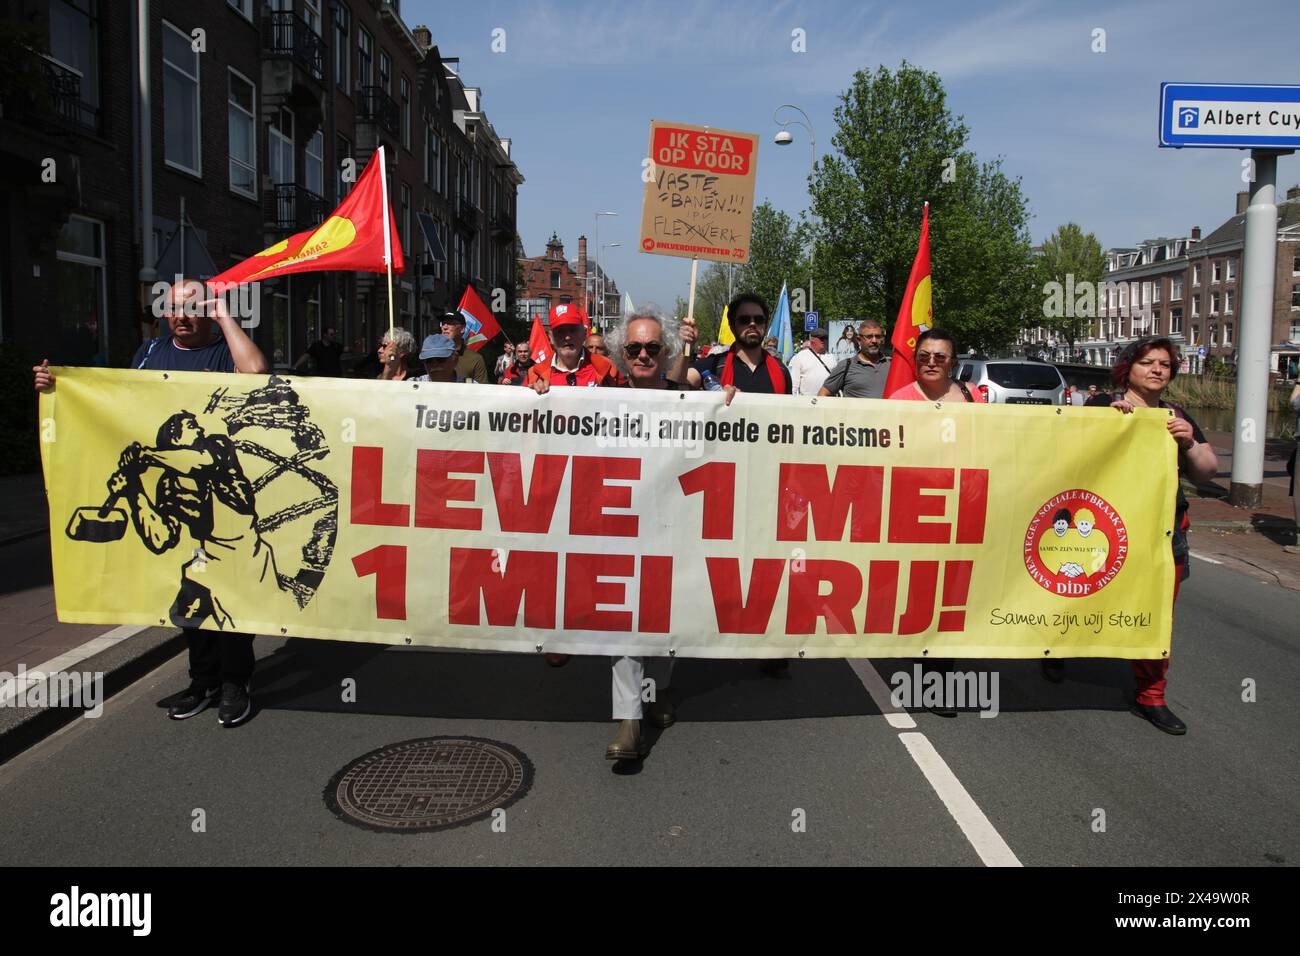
x: 596, y: 279
x: 1258, y: 271
x: 147, y: 254
x: 812, y: 252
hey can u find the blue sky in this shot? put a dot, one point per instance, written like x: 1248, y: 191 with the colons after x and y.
x: 579, y: 82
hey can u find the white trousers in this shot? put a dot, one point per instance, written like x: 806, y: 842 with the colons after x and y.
x: 628, y: 674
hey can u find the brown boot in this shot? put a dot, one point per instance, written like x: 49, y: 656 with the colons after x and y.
x: 627, y: 743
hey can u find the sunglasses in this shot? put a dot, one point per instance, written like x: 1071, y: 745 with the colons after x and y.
x: 927, y: 358
x: 741, y: 321
x: 633, y: 349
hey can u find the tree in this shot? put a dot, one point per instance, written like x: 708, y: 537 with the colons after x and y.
x: 776, y: 255
x: 1072, y: 261
x: 896, y: 145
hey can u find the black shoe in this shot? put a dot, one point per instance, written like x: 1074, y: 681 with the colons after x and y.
x: 193, y: 700
x: 776, y: 667
x: 1162, y: 717
x: 1053, y: 670
x: 236, y: 705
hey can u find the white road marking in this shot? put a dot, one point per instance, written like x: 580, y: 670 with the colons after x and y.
x: 982, y: 835
x: 879, y: 691
x: 1204, y: 558
x: 986, y: 840
x: 69, y: 659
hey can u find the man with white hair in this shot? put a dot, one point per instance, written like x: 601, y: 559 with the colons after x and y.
x: 395, y: 355
x: 644, y: 346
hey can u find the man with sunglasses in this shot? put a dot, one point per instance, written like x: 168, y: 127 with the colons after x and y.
x: 862, y: 375
x: 571, y: 364
x: 745, y: 367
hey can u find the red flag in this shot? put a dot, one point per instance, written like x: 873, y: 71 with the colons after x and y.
x: 538, y: 344
x: 351, y: 238
x: 479, y: 323
x: 915, y: 315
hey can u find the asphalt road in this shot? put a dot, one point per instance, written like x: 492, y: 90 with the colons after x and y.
x: 723, y: 785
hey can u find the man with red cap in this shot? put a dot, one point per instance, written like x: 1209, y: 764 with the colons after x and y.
x: 572, y: 363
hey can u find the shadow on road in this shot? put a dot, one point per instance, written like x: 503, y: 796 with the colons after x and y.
x: 309, y: 674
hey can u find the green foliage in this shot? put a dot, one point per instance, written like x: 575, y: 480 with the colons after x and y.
x: 776, y: 255
x: 1068, y: 252
x: 896, y: 146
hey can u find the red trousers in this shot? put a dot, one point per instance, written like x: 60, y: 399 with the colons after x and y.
x: 1150, y: 676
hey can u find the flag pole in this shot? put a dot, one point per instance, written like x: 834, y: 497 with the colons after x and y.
x: 388, y: 239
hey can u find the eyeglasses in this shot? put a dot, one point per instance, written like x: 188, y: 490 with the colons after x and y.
x: 936, y: 358
x: 741, y: 321
x: 873, y: 335
x: 633, y: 349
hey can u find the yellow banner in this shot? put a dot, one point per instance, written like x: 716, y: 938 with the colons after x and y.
x: 601, y: 521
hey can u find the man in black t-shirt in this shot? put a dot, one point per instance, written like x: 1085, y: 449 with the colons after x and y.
x: 326, y: 352
x: 201, y: 337
x: 745, y: 367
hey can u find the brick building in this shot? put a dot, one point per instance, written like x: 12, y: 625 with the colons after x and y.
x: 1188, y: 288
x: 254, y: 108
x: 551, y: 279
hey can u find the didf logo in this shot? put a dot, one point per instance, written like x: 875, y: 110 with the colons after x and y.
x: 1076, y: 544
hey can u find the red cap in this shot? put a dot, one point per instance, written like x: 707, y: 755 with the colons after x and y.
x: 569, y: 313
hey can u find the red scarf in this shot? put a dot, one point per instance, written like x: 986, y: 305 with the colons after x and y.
x: 773, y: 371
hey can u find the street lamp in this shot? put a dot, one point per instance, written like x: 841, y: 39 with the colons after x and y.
x: 784, y: 138
x: 597, y: 218
x: 600, y: 278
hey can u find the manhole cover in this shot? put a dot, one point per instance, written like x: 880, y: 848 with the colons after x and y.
x: 429, y: 784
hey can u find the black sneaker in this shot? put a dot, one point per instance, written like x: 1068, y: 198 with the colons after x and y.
x: 236, y: 705
x: 193, y: 700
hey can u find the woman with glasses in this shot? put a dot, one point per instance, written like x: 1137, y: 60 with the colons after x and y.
x: 1142, y: 373
x: 644, y: 347
x: 936, y: 362
x: 395, y: 355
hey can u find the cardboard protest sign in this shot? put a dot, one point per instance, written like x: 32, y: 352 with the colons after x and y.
x: 699, y: 202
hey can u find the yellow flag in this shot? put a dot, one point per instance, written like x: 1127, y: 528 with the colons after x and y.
x: 725, y: 335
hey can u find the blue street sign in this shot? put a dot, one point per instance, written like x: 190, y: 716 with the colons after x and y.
x: 1201, y: 353
x: 1230, y: 116
x: 810, y: 320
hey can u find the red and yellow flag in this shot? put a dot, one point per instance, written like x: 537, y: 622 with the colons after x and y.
x: 915, y: 315
x: 351, y: 239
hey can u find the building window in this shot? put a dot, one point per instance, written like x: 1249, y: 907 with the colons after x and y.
x: 1228, y: 298
x: 342, y: 152
x: 279, y: 146
x: 1216, y: 271
x: 243, y: 136
x: 243, y: 6
x: 404, y: 85
x: 385, y: 73
x: 180, y: 101
x: 555, y: 279
x: 1232, y: 270
x: 1196, y: 275
x: 1196, y: 306
x: 1175, y: 321
x: 1214, y: 303
x: 365, y: 57
x: 1295, y: 265
x: 1227, y: 333
x: 74, y: 45
x: 1295, y: 297
x: 1176, y: 289
x: 81, y: 293
x: 1155, y: 325
x: 342, y: 26
x: 1156, y: 290
x: 314, y: 164
x: 404, y: 225
x: 444, y: 174
x: 311, y: 8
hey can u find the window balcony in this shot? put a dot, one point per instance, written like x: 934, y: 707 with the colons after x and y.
x: 289, y: 208
x: 377, y: 107
x: 288, y: 35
